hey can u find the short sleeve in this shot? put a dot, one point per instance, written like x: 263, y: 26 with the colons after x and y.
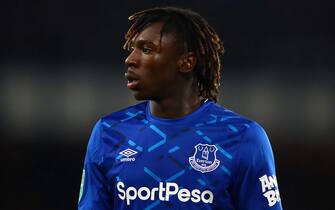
x: 256, y: 186
x: 94, y: 193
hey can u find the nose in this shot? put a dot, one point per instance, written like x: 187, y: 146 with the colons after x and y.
x: 131, y: 60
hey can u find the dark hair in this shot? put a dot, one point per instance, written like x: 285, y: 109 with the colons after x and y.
x: 195, y: 35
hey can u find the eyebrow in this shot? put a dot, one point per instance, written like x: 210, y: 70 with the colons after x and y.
x: 144, y: 41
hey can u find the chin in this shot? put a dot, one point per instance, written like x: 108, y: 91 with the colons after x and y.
x: 140, y: 97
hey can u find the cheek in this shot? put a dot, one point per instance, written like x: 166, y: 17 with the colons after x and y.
x: 155, y: 70
x: 154, y: 79
x: 158, y: 71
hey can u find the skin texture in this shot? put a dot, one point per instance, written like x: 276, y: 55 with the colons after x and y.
x: 157, y: 72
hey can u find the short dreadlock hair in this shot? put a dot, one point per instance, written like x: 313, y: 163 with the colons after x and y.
x: 194, y: 34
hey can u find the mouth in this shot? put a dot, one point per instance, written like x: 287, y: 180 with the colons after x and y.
x: 132, y: 80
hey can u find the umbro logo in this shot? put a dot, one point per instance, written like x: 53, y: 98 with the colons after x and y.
x: 127, y: 153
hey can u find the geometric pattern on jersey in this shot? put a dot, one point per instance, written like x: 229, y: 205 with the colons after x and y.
x: 180, y: 169
x: 135, y: 148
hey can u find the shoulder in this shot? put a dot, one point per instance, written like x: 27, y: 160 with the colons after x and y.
x: 232, y: 123
x: 255, y: 150
x: 108, y: 120
x: 119, y: 115
x: 101, y: 138
x: 252, y: 139
x: 255, y: 139
x: 226, y: 115
x: 252, y: 134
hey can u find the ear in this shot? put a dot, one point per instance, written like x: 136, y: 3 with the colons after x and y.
x: 187, y: 62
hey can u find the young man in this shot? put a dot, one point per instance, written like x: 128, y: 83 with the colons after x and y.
x: 178, y: 149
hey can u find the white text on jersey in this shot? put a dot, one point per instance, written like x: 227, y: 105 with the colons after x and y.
x: 164, y: 193
x: 270, y: 189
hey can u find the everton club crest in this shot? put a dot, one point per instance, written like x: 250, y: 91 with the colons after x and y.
x: 204, y: 158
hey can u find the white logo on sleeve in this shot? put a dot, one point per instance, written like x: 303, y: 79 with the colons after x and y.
x: 270, y: 189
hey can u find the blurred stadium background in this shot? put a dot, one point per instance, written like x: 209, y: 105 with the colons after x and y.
x: 62, y: 68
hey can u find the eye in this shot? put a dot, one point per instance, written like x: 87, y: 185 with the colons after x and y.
x: 146, y: 50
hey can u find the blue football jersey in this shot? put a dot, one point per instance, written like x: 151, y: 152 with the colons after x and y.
x: 212, y: 158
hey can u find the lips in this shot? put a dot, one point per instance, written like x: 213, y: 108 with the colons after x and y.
x: 132, y: 84
x: 132, y: 79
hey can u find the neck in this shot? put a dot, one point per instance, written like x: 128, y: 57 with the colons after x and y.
x: 175, y: 107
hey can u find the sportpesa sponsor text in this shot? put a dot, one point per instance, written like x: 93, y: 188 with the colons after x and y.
x: 163, y: 193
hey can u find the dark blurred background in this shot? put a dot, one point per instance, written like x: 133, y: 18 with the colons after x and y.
x: 62, y: 68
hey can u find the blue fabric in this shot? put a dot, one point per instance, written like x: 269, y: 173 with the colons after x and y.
x: 212, y: 158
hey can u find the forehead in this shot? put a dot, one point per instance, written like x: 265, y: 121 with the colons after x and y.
x: 152, y: 33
